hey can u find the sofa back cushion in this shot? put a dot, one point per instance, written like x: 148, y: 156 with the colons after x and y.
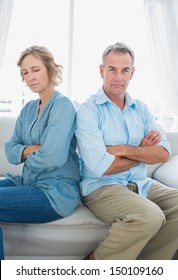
x: 6, y: 129
x: 173, y: 139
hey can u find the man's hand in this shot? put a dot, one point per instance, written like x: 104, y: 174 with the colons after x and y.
x: 148, y: 151
x: 151, y: 139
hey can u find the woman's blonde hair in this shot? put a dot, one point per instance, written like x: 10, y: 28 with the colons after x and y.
x: 54, y: 69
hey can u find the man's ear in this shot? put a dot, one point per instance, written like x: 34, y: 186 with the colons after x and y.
x: 101, y: 70
x: 132, y: 72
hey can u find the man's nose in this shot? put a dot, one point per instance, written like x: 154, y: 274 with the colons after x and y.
x: 118, y: 76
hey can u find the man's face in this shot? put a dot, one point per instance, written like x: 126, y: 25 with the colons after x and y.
x: 116, y: 73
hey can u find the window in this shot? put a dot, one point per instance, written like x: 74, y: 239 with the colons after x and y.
x: 77, y: 32
x: 33, y: 22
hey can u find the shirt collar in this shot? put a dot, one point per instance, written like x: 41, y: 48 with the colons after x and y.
x: 102, y: 98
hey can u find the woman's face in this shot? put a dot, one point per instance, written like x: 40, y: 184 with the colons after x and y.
x: 35, y: 74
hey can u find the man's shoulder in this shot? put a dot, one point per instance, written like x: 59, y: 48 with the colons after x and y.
x: 90, y: 102
x: 95, y: 99
x: 88, y: 109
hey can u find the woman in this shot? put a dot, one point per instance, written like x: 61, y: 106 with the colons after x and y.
x: 44, y: 141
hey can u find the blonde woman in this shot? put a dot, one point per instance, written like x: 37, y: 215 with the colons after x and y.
x: 44, y: 140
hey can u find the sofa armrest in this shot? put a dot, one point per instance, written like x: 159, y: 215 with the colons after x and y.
x: 151, y: 168
x: 167, y: 173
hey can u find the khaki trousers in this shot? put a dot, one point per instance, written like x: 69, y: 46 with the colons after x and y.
x: 141, y: 228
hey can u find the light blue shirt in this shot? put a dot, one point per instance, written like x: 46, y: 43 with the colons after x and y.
x: 55, y: 167
x: 100, y: 123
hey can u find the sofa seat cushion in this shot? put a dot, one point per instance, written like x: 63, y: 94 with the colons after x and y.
x: 167, y: 173
x: 79, y: 233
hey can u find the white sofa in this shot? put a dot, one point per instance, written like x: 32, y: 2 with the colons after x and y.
x: 72, y: 237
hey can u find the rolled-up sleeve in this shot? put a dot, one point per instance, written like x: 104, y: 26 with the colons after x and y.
x: 152, y: 125
x: 90, y: 140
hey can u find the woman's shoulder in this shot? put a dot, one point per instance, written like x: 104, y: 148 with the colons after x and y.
x: 61, y: 97
x: 29, y: 106
x: 63, y: 101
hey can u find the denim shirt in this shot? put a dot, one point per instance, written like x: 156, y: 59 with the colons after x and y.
x: 100, y: 123
x: 55, y: 166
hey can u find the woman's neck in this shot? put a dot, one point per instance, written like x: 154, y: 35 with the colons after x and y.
x: 44, y: 98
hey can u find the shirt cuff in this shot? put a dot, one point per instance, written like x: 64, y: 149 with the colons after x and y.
x: 104, y: 164
x: 166, y: 145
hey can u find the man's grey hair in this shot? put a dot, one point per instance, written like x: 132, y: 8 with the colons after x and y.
x: 118, y: 48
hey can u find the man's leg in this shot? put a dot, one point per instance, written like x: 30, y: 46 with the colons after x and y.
x: 134, y: 221
x: 165, y: 243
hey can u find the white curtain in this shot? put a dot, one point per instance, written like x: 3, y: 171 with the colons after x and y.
x: 5, y: 13
x: 162, y: 22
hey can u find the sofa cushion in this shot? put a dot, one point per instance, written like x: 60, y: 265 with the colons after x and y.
x: 167, y: 173
x: 66, y: 238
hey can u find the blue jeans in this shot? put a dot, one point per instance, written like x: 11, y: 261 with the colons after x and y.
x: 23, y: 204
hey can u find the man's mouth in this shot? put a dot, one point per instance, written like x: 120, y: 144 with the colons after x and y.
x: 117, y: 85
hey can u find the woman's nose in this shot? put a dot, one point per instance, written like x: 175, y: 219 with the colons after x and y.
x: 31, y: 76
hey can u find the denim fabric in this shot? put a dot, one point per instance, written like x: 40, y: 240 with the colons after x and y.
x: 23, y: 204
x: 55, y: 166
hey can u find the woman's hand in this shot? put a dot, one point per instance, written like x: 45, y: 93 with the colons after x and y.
x: 29, y: 150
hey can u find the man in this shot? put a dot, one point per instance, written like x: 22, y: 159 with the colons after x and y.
x: 117, y: 136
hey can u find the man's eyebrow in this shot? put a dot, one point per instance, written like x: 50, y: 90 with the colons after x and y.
x: 125, y: 68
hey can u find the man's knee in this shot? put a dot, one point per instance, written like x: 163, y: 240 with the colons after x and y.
x: 155, y: 219
x: 149, y: 221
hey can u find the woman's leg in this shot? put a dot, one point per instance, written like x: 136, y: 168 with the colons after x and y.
x: 6, y: 183
x: 1, y: 246
x: 24, y: 204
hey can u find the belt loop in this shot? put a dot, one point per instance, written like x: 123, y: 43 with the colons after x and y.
x: 133, y: 187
